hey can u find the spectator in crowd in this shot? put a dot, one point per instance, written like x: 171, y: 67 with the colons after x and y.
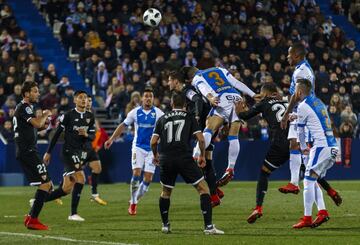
x: 134, y: 102
x: 7, y: 131
x: 347, y: 115
x: 346, y: 130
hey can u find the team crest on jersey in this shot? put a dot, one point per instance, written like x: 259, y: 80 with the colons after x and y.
x: 88, y: 120
x: 43, y: 177
x: 28, y: 110
x: 153, y: 114
x: 77, y: 165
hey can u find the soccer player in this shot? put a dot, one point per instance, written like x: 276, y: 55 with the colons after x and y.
x: 26, y: 125
x: 221, y: 89
x: 94, y: 163
x: 296, y: 57
x: 313, y: 114
x: 271, y: 109
x: 79, y: 127
x: 175, y: 130
x: 144, y: 118
x: 196, y: 105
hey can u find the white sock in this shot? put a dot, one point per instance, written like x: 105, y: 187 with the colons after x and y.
x: 143, y: 188
x: 234, y: 149
x: 134, y: 185
x: 309, y: 195
x: 319, y: 199
x: 295, y: 163
x: 207, y: 136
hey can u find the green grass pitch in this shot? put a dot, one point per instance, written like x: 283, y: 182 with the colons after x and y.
x: 113, y: 225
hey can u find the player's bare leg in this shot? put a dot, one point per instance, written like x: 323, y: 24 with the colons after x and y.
x: 134, y: 186
x: 95, y: 171
x: 79, y: 180
x: 295, y: 163
x: 234, y: 149
x: 144, y: 185
x: 31, y: 220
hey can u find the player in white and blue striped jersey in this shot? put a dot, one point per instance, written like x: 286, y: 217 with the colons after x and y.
x: 144, y: 118
x: 312, y: 113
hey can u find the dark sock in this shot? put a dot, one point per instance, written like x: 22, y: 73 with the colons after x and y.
x: 262, y: 186
x: 210, y: 176
x: 94, y: 183
x: 164, y: 204
x: 206, y: 209
x: 40, y: 197
x: 324, y: 184
x: 55, y: 194
x: 76, y: 192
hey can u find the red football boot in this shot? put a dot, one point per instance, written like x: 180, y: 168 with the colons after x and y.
x: 335, y: 196
x: 132, y: 209
x: 215, y: 200
x: 306, y: 221
x: 321, y: 217
x: 220, y: 193
x: 26, y: 219
x: 226, y: 178
x: 290, y: 188
x: 35, y: 224
x: 257, y: 213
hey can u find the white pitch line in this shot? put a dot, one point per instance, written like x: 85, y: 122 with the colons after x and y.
x: 59, y: 238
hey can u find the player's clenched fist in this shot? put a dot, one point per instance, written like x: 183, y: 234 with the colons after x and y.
x: 108, y: 144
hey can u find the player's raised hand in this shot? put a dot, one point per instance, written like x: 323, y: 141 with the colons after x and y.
x: 292, y: 117
x: 82, y: 132
x: 240, y: 106
x: 46, y: 158
x: 201, y: 161
x: 47, y: 113
x: 156, y: 159
x: 108, y: 144
x: 258, y: 97
x: 214, y: 101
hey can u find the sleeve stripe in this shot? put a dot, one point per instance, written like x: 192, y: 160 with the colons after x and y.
x: 199, y: 131
x: 62, y: 126
x: 156, y: 134
x: 28, y: 120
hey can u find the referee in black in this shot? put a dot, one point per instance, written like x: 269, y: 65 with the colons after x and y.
x: 26, y: 125
x: 175, y: 130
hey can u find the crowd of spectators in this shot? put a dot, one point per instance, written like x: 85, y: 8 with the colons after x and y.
x: 119, y: 56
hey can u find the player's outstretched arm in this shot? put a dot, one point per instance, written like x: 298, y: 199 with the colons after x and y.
x: 244, y: 112
x: 239, y: 85
x: 118, y: 131
x: 292, y: 103
x: 200, y: 138
x: 52, y: 144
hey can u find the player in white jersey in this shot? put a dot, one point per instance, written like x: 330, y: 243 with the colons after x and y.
x: 303, y: 70
x: 221, y: 89
x: 144, y: 118
x: 312, y: 113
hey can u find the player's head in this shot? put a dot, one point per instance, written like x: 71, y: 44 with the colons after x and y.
x: 178, y: 100
x: 188, y: 73
x: 80, y: 99
x: 175, y: 80
x: 30, y: 91
x: 89, y: 103
x: 296, y: 53
x: 147, y: 98
x: 303, y: 88
x: 269, y: 90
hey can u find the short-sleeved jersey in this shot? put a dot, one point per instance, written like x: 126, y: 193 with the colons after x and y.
x: 71, y: 122
x: 175, y: 129
x: 144, y: 121
x: 313, y: 114
x: 272, y: 110
x: 25, y: 133
x: 302, y: 70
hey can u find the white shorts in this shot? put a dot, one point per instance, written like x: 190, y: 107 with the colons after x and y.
x: 226, y: 107
x: 142, y: 159
x: 293, y: 132
x: 320, y: 160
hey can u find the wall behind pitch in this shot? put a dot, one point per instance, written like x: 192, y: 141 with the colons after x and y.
x: 116, y: 162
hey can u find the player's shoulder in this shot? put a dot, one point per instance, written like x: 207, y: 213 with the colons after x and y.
x: 135, y: 110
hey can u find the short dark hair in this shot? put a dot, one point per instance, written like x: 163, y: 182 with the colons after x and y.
x: 178, y: 100
x: 177, y: 75
x: 27, y: 86
x: 78, y: 92
x: 299, y: 49
x: 147, y: 90
x: 305, y: 85
x: 188, y: 72
x: 271, y: 87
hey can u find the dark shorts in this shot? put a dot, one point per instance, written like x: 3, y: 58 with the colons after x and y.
x: 277, y: 155
x: 73, y: 161
x: 91, y: 156
x: 34, y: 168
x: 186, y: 167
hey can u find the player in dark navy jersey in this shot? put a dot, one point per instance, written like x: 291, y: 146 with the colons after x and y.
x: 26, y: 125
x: 79, y: 127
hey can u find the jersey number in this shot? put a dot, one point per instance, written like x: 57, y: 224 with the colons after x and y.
x: 280, y: 108
x: 75, y: 158
x: 216, y: 76
x: 15, y: 126
x: 169, y: 126
x: 41, y: 168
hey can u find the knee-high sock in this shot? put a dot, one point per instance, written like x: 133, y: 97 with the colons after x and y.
x: 40, y: 197
x: 262, y: 186
x: 234, y: 149
x: 309, y: 195
x: 295, y: 162
x: 324, y: 184
x: 210, y: 176
x: 164, y: 205
x: 76, y: 193
x: 134, y: 185
x: 206, y: 209
x: 143, y: 188
x: 94, y: 183
x: 319, y: 199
